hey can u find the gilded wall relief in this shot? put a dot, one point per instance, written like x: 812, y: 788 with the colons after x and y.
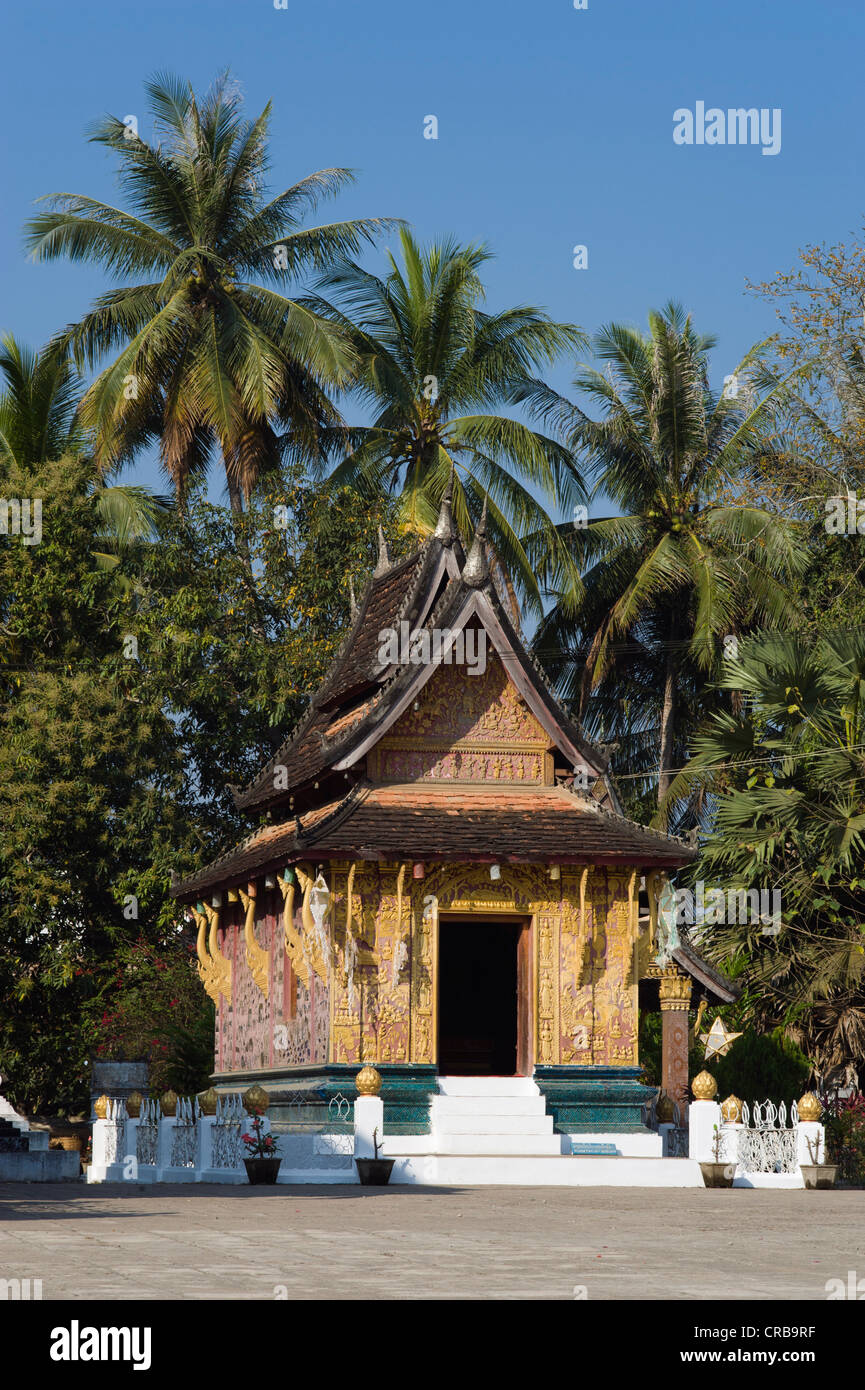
x: 599, y: 979
x: 371, y: 986
x: 382, y: 1000
x: 466, y: 729
x: 576, y: 1035
x: 424, y: 933
x: 615, y: 1000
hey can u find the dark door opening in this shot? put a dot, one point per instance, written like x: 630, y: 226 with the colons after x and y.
x: 483, y: 997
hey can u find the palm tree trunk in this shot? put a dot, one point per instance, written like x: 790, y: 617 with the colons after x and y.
x: 668, y: 714
x: 235, y: 496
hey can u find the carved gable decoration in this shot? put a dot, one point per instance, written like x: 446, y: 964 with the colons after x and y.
x: 467, y: 728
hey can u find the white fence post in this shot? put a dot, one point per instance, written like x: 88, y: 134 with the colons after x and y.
x: 703, y: 1116
x: 109, y: 1144
x: 811, y: 1142
x: 368, y: 1117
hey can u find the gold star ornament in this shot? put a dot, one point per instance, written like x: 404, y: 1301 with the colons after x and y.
x: 718, y: 1041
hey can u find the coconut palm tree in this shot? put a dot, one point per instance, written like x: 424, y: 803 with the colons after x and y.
x: 788, y: 776
x: 39, y: 423
x: 686, y: 565
x: 208, y: 352
x: 434, y: 371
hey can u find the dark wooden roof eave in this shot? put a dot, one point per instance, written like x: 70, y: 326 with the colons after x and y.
x: 352, y: 829
x: 700, y: 970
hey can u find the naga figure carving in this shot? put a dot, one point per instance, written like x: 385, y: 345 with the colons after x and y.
x: 257, y: 958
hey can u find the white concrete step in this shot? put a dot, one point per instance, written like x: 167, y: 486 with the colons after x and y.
x: 502, y: 1122
x: 487, y: 1144
x: 454, y: 1170
x: 486, y: 1086
x: 445, y: 1106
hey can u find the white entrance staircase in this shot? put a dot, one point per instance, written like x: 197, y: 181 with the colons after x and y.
x: 495, y: 1130
x: 492, y: 1115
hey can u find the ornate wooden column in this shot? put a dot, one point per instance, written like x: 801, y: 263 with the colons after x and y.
x: 675, y: 992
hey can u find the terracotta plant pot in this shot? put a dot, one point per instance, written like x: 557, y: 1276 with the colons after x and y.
x: 819, y: 1174
x: 262, y: 1172
x: 374, y: 1172
x: 718, y: 1174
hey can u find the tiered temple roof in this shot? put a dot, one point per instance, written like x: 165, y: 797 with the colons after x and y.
x: 340, y: 788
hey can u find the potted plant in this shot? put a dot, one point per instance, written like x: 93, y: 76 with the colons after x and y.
x: 374, y: 1172
x: 718, y: 1173
x: 262, y: 1154
x: 815, y: 1173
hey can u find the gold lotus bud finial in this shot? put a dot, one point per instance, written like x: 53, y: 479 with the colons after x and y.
x: 207, y: 1101
x: 100, y: 1108
x: 255, y: 1099
x: 134, y: 1102
x: 809, y: 1107
x: 664, y: 1109
x: 368, y: 1081
x: 731, y: 1110
x: 168, y: 1102
x: 704, y: 1086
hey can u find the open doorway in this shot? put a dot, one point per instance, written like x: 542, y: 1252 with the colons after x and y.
x: 483, y: 998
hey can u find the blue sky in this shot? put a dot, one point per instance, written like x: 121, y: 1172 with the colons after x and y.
x: 555, y: 128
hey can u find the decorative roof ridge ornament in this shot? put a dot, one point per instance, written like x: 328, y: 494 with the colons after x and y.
x: 445, y: 531
x: 384, y: 561
x: 476, y: 571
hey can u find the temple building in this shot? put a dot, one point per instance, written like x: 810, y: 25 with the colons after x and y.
x: 443, y: 883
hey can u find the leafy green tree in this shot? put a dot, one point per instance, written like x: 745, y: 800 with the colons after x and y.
x: 91, y: 785
x: 39, y: 422
x: 125, y: 709
x: 686, y: 565
x: 209, y: 355
x: 763, y: 1066
x: 435, y: 371
x: 152, y: 1008
x: 233, y: 654
x: 787, y: 771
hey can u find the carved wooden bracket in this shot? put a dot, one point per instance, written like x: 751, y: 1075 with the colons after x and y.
x: 306, y: 879
x: 206, y: 972
x: 257, y: 958
x: 214, y: 968
x: 654, y: 883
x: 293, y: 938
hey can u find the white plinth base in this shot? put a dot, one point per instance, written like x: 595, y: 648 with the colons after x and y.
x: 455, y: 1170
x: 776, y: 1180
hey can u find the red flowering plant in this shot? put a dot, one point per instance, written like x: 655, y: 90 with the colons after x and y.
x: 259, y: 1145
x: 845, y: 1135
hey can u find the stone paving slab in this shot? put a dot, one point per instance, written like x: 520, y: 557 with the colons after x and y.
x: 206, y: 1242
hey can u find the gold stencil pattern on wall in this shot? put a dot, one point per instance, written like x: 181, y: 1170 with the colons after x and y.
x: 387, y: 999
x: 547, y: 925
x: 577, y: 1020
x: 424, y: 925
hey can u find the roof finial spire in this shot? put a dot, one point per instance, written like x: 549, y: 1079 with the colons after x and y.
x: 351, y: 598
x: 384, y: 562
x: 445, y: 531
x: 476, y: 570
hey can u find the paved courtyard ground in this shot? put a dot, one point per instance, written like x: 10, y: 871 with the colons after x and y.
x: 117, y: 1242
